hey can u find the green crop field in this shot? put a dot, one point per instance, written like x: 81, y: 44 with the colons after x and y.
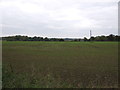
x: 60, y: 64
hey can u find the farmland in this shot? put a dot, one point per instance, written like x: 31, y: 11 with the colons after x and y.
x: 60, y: 64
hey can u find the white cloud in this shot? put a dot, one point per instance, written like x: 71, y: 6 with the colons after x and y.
x: 49, y: 17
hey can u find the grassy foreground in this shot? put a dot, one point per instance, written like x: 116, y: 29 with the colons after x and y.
x: 60, y: 64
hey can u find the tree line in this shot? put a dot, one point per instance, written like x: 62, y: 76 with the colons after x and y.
x: 111, y: 37
x: 26, y: 38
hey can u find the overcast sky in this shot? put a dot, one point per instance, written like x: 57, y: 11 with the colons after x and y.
x: 59, y: 18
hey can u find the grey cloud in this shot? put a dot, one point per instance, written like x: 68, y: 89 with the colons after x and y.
x: 59, y: 18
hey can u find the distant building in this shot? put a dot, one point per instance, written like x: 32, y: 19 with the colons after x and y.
x: 68, y: 39
x: 82, y: 40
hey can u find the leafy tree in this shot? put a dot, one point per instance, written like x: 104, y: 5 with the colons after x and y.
x: 61, y: 40
x: 85, y: 39
x: 92, y: 38
x: 111, y: 37
x: 46, y: 39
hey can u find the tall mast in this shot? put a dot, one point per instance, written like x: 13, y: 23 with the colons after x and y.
x: 90, y: 33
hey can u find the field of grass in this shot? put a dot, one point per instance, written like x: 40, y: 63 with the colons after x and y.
x: 60, y: 64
